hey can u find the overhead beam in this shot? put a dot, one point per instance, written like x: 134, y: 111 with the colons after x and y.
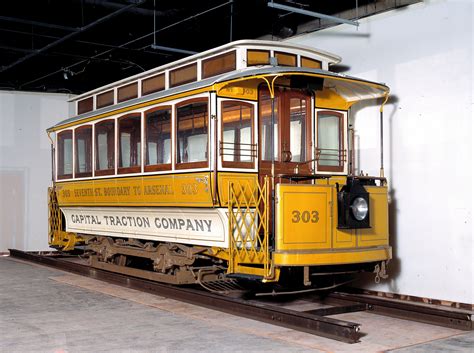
x: 311, y: 13
x: 70, y: 35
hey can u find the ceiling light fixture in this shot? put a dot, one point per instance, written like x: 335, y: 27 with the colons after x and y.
x: 67, y: 73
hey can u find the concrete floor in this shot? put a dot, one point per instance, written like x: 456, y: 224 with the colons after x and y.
x: 46, y: 310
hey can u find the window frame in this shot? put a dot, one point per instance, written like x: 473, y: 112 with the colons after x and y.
x: 162, y: 166
x: 191, y: 165
x: 118, y: 147
x: 77, y: 174
x: 284, y: 98
x: 307, y: 138
x: 342, y: 160
x: 110, y: 171
x: 60, y: 156
x: 237, y: 164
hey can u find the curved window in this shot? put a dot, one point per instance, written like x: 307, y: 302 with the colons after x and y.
x: 65, y: 155
x: 129, y: 143
x: 83, y: 145
x: 192, y: 135
x: 105, y: 147
x: 158, y: 139
x: 237, y: 146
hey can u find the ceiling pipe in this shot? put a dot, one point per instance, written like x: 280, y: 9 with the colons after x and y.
x: 179, y: 22
x: 311, y: 13
x: 129, y: 42
x: 70, y: 35
x: 116, y: 6
x: 36, y: 23
x: 173, y: 50
x: 86, y: 42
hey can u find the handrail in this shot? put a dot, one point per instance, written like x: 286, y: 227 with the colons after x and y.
x: 341, y: 157
x: 239, y: 149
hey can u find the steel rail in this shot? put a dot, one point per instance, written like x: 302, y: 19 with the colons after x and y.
x: 460, y: 319
x: 303, y: 321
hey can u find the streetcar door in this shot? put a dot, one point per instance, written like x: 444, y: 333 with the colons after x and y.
x: 291, y: 133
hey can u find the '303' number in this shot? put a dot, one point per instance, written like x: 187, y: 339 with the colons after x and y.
x: 305, y: 216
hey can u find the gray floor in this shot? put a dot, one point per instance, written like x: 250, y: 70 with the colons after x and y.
x: 461, y: 343
x: 40, y: 315
x: 45, y: 310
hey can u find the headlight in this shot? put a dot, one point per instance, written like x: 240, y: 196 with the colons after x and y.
x: 360, y: 208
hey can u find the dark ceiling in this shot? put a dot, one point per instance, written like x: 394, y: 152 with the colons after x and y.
x: 73, y: 46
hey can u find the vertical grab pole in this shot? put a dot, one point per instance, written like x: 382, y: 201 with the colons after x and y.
x: 381, y: 136
x: 230, y: 225
x: 272, y: 129
x: 381, y: 144
x: 271, y: 88
x: 53, y: 164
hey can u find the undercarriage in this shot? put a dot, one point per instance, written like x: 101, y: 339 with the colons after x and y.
x: 163, y: 262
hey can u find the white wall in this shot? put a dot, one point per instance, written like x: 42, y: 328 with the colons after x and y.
x: 424, y: 53
x: 25, y: 166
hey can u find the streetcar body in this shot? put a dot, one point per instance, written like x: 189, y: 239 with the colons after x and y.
x: 239, y: 157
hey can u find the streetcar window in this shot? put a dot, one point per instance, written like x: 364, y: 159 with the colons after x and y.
x: 83, y: 145
x: 65, y: 154
x: 310, y: 63
x: 329, y: 148
x: 105, y: 99
x: 298, y: 111
x: 258, y: 57
x: 237, y: 134
x: 285, y: 59
x: 266, y: 130
x: 105, y: 147
x: 158, y: 139
x: 85, y: 105
x: 127, y: 92
x: 129, y: 143
x: 183, y: 75
x: 218, y: 64
x: 153, y: 84
x: 192, y: 131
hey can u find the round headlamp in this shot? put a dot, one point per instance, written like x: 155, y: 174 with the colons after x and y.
x: 360, y: 208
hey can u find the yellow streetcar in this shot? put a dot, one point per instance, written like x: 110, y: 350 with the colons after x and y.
x: 236, y: 162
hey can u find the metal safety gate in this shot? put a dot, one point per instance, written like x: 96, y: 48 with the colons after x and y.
x: 57, y: 237
x: 249, y: 229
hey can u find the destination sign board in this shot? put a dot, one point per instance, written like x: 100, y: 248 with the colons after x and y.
x: 207, y: 227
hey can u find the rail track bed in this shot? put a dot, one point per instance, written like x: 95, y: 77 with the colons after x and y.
x: 312, y: 317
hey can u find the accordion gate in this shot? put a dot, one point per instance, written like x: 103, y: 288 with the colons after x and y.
x: 249, y: 229
x: 58, y: 238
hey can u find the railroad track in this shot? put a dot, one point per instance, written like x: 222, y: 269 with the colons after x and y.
x: 314, y: 321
